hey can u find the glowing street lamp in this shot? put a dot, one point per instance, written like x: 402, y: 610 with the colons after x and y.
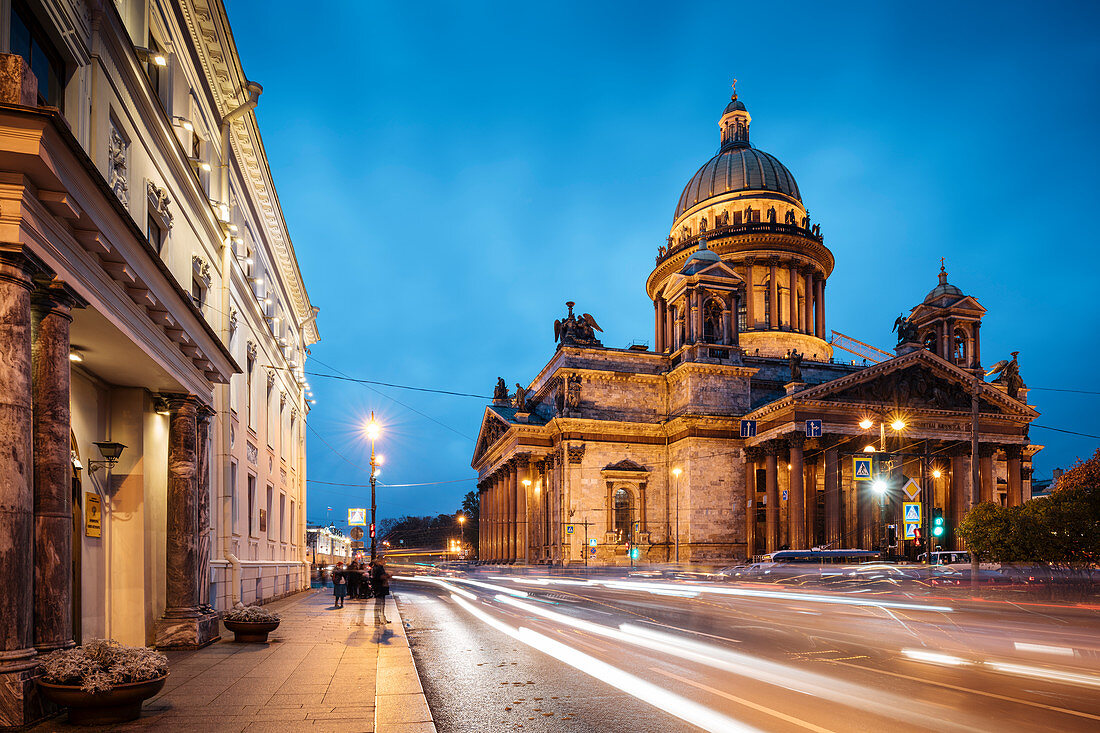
x: 373, y: 430
x: 462, y: 530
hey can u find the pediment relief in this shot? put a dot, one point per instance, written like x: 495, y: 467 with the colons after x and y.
x: 493, y: 428
x: 719, y: 270
x: 626, y: 465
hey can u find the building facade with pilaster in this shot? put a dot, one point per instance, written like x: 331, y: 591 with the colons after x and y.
x: 738, y: 434
x: 154, y: 333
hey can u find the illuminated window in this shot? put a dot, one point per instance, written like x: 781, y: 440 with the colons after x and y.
x: 154, y: 233
x: 30, y: 41
x: 622, y: 516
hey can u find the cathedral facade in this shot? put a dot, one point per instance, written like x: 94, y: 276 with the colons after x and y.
x: 741, y: 432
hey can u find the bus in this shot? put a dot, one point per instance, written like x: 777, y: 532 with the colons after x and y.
x: 822, y: 557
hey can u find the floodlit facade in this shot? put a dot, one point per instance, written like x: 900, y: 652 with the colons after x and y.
x: 152, y: 301
x: 739, y: 432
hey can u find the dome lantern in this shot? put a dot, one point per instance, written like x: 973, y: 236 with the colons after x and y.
x: 734, y: 124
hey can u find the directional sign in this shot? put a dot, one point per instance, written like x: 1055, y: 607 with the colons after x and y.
x: 591, y: 541
x: 911, y: 531
x: 861, y: 469
x: 911, y: 489
x: 784, y: 494
x: 911, y: 512
x: 569, y: 529
x: 357, y: 517
x: 748, y: 428
x: 813, y: 428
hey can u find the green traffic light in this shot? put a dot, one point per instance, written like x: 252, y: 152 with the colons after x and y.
x: 937, y: 531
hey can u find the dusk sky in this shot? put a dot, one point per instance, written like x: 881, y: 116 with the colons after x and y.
x: 452, y: 173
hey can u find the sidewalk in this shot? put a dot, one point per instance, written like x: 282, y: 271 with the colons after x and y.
x: 324, y: 669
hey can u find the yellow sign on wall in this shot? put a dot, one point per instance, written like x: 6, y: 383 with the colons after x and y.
x: 92, y: 515
x: 357, y: 517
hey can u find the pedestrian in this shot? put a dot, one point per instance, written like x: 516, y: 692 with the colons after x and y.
x: 339, y: 584
x: 380, y: 587
x: 354, y: 578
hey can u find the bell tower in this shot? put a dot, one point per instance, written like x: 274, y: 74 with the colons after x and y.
x: 948, y: 324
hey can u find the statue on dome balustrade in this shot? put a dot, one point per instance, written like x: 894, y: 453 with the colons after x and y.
x: 577, y: 331
x: 906, y: 330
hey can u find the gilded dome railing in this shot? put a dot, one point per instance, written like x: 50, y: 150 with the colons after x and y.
x: 762, y: 227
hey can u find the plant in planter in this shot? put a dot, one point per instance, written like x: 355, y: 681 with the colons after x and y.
x: 250, y: 623
x: 102, y: 681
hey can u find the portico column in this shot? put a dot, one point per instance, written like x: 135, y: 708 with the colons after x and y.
x: 18, y: 701
x: 985, y: 467
x: 202, y: 561
x: 660, y: 327
x: 832, y: 497
x: 1015, y: 479
x: 510, y: 477
x: 752, y: 456
x: 697, y: 317
x: 797, y: 494
x: 819, y: 304
x: 792, y: 282
x: 184, y: 624
x: 960, y: 494
x: 976, y: 359
x: 750, y: 292
x: 53, y: 515
x: 773, y: 294
x: 771, y: 510
x: 523, y: 524
x: 498, y: 517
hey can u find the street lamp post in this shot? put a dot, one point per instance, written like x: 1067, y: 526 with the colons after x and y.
x: 462, y: 533
x: 373, y: 430
x: 880, y: 486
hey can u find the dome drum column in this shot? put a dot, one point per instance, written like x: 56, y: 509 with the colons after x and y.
x: 792, y: 279
x: 773, y: 295
x: 750, y: 293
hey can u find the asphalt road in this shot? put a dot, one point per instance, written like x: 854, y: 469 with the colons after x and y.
x: 544, y: 653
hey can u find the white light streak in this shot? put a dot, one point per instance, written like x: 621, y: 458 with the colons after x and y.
x: 1062, y: 651
x: 1043, y: 673
x: 922, y: 655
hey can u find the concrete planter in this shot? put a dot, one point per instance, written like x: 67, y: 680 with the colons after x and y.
x: 117, y: 705
x: 250, y: 631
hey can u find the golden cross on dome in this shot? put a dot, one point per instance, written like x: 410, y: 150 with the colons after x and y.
x: 943, y: 263
x: 734, y: 87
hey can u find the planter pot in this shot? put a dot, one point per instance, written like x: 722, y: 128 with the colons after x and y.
x: 250, y: 631
x: 119, y: 705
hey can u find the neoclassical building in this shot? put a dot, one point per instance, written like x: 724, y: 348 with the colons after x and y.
x: 739, y: 432
x: 155, y: 325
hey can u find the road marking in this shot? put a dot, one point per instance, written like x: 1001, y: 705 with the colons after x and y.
x: 994, y: 695
x: 743, y: 701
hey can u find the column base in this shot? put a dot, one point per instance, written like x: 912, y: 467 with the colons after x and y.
x: 21, y: 705
x: 194, y: 632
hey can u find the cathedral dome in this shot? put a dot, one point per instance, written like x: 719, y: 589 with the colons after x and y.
x: 737, y: 168
x: 944, y: 288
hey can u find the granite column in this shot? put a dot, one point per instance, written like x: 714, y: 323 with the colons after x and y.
x: 771, y: 507
x: 796, y: 496
x: 832, y: 497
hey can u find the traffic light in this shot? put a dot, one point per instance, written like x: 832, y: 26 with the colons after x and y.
x: 891, y: 535
x: 937, y: 522
x: 917, y: 536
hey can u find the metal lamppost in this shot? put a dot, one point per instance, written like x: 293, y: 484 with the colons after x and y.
x: 462, y: 531
x: 373, y: 430
x: 676, y: 483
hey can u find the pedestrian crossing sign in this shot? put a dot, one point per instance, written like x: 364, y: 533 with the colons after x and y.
x: 911, y: 531
x: 911, y: 511
x: 591, y: 541
x: 569, y: 529
x: 861, y: 469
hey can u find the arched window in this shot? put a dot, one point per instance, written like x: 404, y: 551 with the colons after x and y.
x: 622, y: 516
x: 929, y: 342
x: 960, y: 346
x: 743, y: 312
x: 767, y: 290
x: 712, y: 321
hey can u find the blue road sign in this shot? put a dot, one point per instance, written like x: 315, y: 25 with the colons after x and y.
x: 912, y: 512
x: 861, y: 469
x: 592, y: 541
x: 813, y: 428
x: 569, y: 529
x: 911, y: 531
x: 748, y: 428
x: 784, y: 494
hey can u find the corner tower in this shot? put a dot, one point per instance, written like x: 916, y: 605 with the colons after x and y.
x: 745, y: 205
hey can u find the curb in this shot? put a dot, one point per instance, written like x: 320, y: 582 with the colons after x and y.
x: 409, y: 715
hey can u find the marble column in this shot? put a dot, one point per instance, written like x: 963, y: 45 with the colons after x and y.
x: 819, y: 305
x: 796, y: 496
x: 832, y: 497
x: 792, y: 280
x: 811, y: 501
x: 771, y: 510
x: 51, y: 307
x: 773, y: 294
x: 808, y: 309
x: 185, y: 625
x: 510, y: 511
x: 985, y: 468
x: 202, y: 574
x: 750, y: 293
x: 960, y: 493
x: 498, y: 525
x: 19, y: 702
x: 752, y: 456
x: 523, y: 514
x: 1015, y: 479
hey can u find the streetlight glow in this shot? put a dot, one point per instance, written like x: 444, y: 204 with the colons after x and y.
x: 936, y: 473
x: 868, y: 448
x: 897, y: 425
x: 866, y: 423
x: 373, y: 429
x: 879, y: 487
x: 676, y: 472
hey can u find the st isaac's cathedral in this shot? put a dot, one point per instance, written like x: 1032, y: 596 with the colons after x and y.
x: 741, y: 432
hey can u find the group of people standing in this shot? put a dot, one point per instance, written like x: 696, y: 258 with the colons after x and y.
x: 362, y: 581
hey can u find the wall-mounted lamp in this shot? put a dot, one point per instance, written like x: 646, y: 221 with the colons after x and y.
x: 200, y: 164
x: 75, y: 356
x: 184, y: 123
x: 161, y: 406
x: 110, y: 450
x: 147, y: 54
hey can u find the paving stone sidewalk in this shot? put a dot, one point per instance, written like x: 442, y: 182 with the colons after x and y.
x: 324, y: 669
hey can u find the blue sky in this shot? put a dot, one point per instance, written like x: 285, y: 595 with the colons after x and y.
x: 451, y: 173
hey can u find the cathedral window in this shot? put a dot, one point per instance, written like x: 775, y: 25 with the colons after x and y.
x: 960, y: 346
x: 622, y: 516
x: 929, y: 342
x: 743, y: 313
